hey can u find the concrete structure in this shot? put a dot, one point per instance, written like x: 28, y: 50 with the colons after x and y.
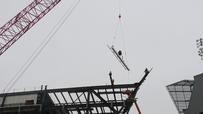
x: 187, y: 95
x: 19, y: 100
x: 196, y: 101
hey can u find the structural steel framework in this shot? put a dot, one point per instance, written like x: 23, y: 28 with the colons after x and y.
x: 83, y: 100
x: 105, y: 99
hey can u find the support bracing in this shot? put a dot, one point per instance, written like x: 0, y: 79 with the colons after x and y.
x: 104, y: 99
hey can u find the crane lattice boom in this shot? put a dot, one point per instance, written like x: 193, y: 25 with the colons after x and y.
x: 23, y: 21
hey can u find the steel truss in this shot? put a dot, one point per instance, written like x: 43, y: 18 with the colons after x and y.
x: 105, y: 99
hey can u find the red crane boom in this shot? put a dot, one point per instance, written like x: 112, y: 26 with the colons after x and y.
x: 23, y: 21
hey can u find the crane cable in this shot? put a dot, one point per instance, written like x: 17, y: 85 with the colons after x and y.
x: 118, y: 23
x: 119, y: 26
x: 40, y: 48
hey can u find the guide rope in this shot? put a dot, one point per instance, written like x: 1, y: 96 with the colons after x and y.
x: 119, y: 32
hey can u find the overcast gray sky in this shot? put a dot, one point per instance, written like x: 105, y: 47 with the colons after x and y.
x: 158, y: 33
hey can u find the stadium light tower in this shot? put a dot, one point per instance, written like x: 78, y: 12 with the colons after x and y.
x: 199, y: 43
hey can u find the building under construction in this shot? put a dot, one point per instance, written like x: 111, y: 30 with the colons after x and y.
x: 104, y: 99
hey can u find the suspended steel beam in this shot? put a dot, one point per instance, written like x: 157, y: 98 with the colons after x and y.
x: 118, y: 57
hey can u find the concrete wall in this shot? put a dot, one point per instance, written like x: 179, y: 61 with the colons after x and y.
x: 196, y: 101
x: 19, y: 100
